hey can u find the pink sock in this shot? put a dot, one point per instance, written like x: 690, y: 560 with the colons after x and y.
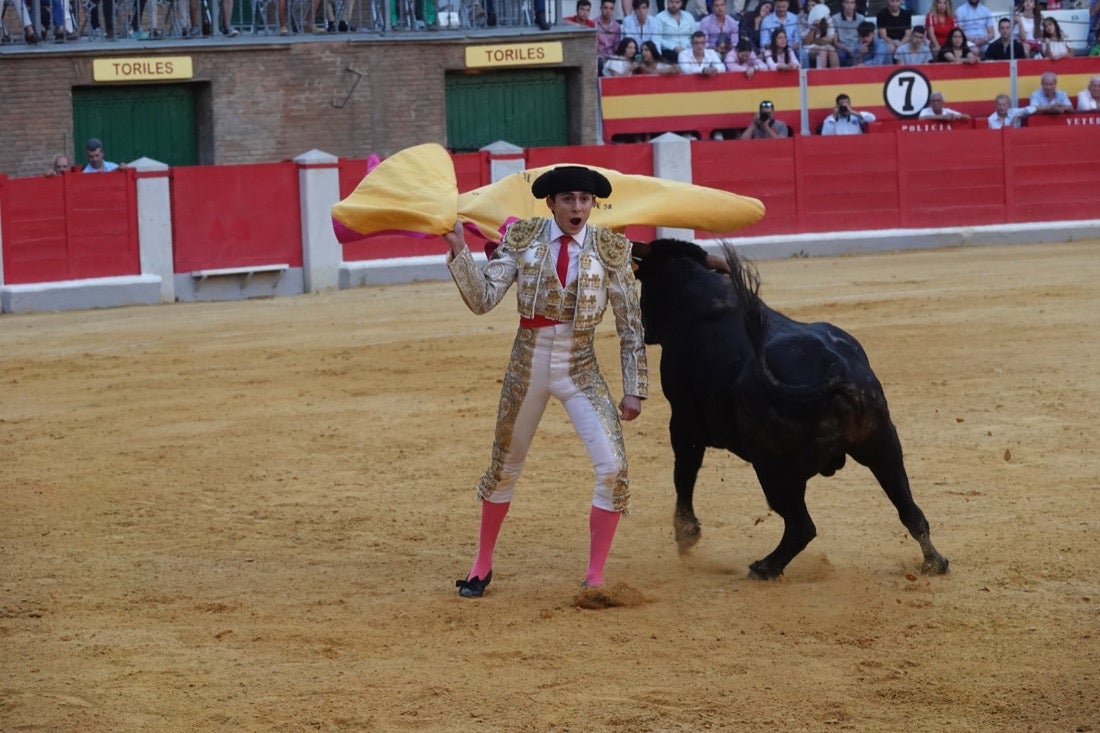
x: 601, y: 528
x: 492, y: 516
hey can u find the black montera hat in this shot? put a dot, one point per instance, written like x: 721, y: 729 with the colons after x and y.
x: 571, y: 178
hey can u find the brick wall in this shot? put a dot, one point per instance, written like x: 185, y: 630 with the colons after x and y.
x: 271, y: 101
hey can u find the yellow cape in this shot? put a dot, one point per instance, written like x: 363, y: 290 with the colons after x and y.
x: 415, y: 191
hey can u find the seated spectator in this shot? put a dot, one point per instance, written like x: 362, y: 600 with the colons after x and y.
x: 719, y: 23
x: 938, y: 23
x: 1089, y: 98
x: 872, y: 50
x: 957, y: 50
x: 844, y: 120
x: 782, y: 18
x: 1055, y: 46
x: 917, y: 51
x: 624, y: 61
x: 976, y: 21
x: 936, y: 111
x: 640, y: 26
x: 1005, y: 115
x: 93, y: 150
x: 1048, y: 99
x: 743, y: 58
x: 608, y: 34
x: 779, y: 56
x: 764, y: 125
x: 819, y: 36
x: 583, y: 16
x: 60, y: 165
x: 847, y: 23
x: 1005, y: 48
x: 763, y: 10
x: 653, y: 63
x: 1030, y: 23
x: 894, y: 24
x: 676, y: 26
x: 699, y: 59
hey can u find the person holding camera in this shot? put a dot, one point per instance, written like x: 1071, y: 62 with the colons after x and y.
x: 764, y: 125
x: 844, y: 120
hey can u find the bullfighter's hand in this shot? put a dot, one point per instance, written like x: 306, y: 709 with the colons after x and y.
x: 456, y: 239
x: 630, y: 407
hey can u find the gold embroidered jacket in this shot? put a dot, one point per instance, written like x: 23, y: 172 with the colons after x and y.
x: 604, y: 274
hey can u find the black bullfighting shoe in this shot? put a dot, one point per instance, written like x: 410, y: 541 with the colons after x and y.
x: 474, y: 587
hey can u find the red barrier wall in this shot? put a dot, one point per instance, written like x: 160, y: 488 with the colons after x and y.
x: 70, y: 227
x: 235, y: 216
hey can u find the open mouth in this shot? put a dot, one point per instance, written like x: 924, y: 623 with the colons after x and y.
x: 576, y: 221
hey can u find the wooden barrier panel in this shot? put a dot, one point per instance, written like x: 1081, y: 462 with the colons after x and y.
x: 1052, y: 174
x: 921, y: 125
x: 236, y: 216
x: 1077, y: 119
x: 70, y: 227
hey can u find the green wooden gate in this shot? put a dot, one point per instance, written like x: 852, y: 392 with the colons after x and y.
x: 526, y: 108
x: 154, y: 121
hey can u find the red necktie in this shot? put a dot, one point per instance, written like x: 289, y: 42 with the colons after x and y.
x: 563, y: 259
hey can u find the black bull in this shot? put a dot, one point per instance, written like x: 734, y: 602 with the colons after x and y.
x: 793, y: 399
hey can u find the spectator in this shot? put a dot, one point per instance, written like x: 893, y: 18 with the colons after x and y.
x: 764, y: 125
x: 1005, y: 115
x: 894, y: 25
x: 61, y: 165
x: 938, y: 23
x: 757, y: 18
x: 744, y: 59
x: 778, y: 55
x: 1048, y: 99
x: 1089, y: 98
x: 1030, y: 22
x: 917, y: 51
x: 93, y: 150
x: 936, y: 111
x: 1094, y: 27
x: 977, y: 23
x: 781, y: 18
x: 844, y: 120
x: 1055, y: 46
x: 699, y: 59
x: 847, y: 23
x: 717, y: 24
x: 652, y: 62
x: 624, y: 61
x: 227, y: 16
x: 957, y: 50
x: 819, y: 36
x: 677, y: 26
x: 608, y: 34
x: 639, y: 26
x: 584, y: 11
x: 872, y: 50
x: 1005, y: 48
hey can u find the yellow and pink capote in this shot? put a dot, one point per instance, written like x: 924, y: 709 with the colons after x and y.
x: 415, y: 192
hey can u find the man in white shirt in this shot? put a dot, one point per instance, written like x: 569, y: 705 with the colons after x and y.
x: 1048, y: 99
x: 1089, y: 99
x: 639, y: 26
x: 936, y: 111
x: 844, y: 120
x: 977, y: 23
x: 699, y: 59
x: 676, y: 26
x: 1005, y: 115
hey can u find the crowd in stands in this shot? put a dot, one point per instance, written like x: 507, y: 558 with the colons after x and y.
x: 781, y: 35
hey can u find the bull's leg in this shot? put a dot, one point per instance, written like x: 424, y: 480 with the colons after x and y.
x: 786, y: 495
x: 688, y: 452
x: 885, y: 462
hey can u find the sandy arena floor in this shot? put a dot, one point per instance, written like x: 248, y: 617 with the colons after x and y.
x: 249, y: 517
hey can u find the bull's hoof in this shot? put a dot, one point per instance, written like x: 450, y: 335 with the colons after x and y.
x: 934, y: 565
x: 688, y: 532
x: 760, y: 570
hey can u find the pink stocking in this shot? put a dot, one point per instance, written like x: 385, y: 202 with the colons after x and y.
x: 492, y: 516
x: 601, y: 528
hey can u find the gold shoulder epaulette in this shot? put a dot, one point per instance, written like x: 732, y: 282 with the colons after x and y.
x: 614, y: 248
x: 521, y: 233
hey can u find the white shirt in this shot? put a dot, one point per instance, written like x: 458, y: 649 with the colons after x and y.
x: 1085, y: 102
x: 947, y: 112
x: 849, y: 125
x: 1014, y: 117
x: 976, y: 22
x: 574, y: 247
x: 689, y: 65
x: 676, y: 35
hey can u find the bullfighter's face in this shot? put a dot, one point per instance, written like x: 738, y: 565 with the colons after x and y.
x: 571, y: 210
